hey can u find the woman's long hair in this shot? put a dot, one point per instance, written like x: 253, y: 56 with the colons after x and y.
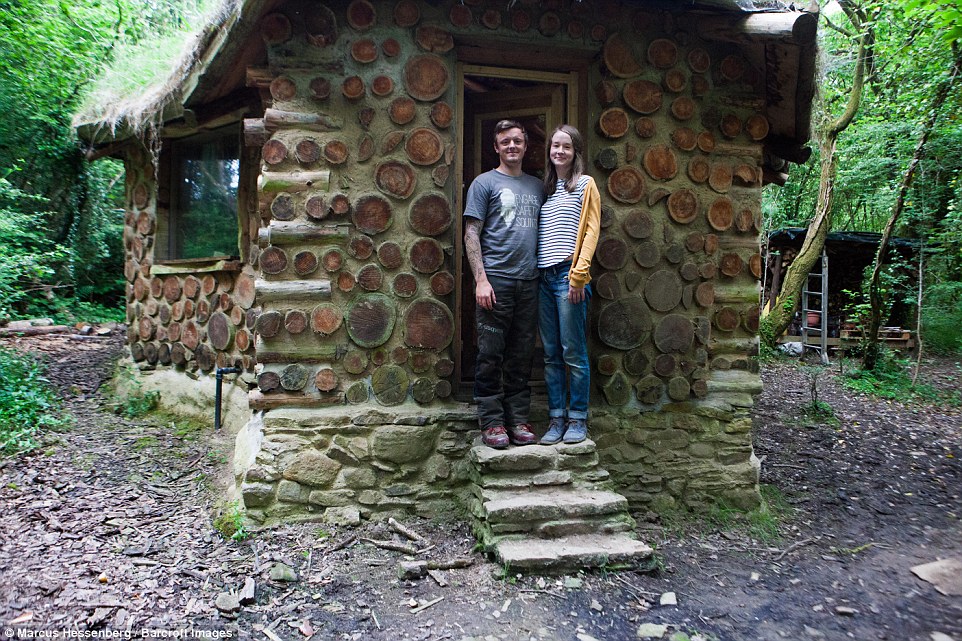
x: 577, y: 166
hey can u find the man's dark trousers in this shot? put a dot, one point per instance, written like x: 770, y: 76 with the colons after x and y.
x: 506, y: 337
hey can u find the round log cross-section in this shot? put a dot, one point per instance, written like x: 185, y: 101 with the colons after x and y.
x: 326, y: 379
x: 683, y: 206
x: 643, y: 96
x: 305, y: 262
x: 220, y: 331
x: 273, y: 260
x: 731, y: 264
x: 428, y: 324
x: 390, y: 384
x: 395, y: 178
x: 639, y: 224
x: 361, y: 15
x: 625, y: 323
x: 269, y: 323
x: 370, y: 319
x: 645, y: 127
x: 721, y: 214
x: 360, y: 246
x: 295, y: 322
x: 699, y: 60
x: 442, y: 283
x: 613, y: 122
x: 402, y: 110
x: 370, y: 278
x: 626, y: 185
x: 423, y: 146
x: 607, y: 286
x: 406, y: 13
x: 663, y: 290
x: 430, y: 214
x: 390, y: 256
x: 660, y: 162
x: 326, y: 319
x: 405, y: 285
x: 612, y: 253
x: 674, y: 334
x: 371, y: 214
x: 619, y: 58
x: 662, y: 53
x: 426, y: 77
x: 382, y: 86
x: 442, y: 115
x: 426, y: 255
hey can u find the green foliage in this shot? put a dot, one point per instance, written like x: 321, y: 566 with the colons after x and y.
x: 60, y: 217
x: 760, y: 523
x: 128, y: 397
x: 230, y: 522
x: 942, y: 318
x: 891, y: 380
x: 28, y: 405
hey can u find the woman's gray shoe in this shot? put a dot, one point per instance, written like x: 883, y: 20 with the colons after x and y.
x: 577, y: 431
x: 556, y: 430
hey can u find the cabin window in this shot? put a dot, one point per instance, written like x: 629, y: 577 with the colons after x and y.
x: 203, y: 208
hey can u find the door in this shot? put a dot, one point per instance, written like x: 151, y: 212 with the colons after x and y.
x: 540, y: 102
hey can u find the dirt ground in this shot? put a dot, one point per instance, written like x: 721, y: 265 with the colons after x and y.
x: 108, y: 528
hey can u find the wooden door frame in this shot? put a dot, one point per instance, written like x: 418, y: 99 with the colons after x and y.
x: 574, y: 82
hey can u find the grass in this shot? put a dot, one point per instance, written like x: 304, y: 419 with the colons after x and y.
x: 891, y: 380
x: 230, y: 522
x: 28, y: 404
x: 761, y: 523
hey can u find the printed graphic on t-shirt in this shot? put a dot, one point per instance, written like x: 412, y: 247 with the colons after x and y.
x: 509, y: 206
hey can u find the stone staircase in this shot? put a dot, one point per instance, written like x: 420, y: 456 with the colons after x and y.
x: 551, y: 509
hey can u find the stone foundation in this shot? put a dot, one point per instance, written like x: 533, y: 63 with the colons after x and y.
x: 329, y: 464
x: 324, y: 463
x: 689, y: 455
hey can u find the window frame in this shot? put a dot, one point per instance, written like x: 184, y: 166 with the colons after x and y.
x: 173, y: 152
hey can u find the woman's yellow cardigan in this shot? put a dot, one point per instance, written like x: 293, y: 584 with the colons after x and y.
x: 589, y: 228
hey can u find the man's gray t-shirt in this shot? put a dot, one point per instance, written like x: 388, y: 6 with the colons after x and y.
x: 508, y: 207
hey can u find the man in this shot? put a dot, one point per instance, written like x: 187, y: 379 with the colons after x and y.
x: 501, y: 242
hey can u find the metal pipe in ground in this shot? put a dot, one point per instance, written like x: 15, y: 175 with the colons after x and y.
x: 218, y: 390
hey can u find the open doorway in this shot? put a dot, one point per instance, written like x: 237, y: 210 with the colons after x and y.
x: 540, y: 101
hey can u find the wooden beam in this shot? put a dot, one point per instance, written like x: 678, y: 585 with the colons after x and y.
x: 784, y: 27
x: 261, y: 401
x: 293, y: 232
x: 292, y: 290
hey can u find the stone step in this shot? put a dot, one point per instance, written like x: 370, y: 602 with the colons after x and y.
x: 534, y: 458
x: 569, y: 553
x: 548, y: 504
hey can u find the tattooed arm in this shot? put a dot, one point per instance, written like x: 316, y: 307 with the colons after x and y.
x: 483, y: 292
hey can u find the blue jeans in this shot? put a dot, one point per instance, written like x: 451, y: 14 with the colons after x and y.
x: 563, y: 326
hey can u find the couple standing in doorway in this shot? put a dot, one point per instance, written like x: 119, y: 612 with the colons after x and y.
x: 529, y: 244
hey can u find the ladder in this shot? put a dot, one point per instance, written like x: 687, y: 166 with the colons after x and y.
x: 815, y: 307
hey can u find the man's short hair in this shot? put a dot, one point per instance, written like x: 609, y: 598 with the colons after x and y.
x: 504, y: 125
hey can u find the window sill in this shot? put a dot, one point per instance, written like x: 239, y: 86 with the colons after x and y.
x: 195, y: 266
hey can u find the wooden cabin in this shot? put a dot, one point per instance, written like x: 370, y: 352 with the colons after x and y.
x: 296, y: 214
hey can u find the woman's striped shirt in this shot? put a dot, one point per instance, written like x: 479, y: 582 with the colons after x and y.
x: 558, y: 224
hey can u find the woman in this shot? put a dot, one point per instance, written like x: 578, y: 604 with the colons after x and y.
x: 567, y: 235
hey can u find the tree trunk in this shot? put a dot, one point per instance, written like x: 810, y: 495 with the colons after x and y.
x: 872, y: 349
x: 779, y: 316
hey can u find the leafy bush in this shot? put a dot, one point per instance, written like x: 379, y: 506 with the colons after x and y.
x: 942, y: 318
x: 28, y: 405
x: 890, y: 379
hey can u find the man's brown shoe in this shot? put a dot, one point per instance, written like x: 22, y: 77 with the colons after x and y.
x: 495, y: 437
x: 522, y: 434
